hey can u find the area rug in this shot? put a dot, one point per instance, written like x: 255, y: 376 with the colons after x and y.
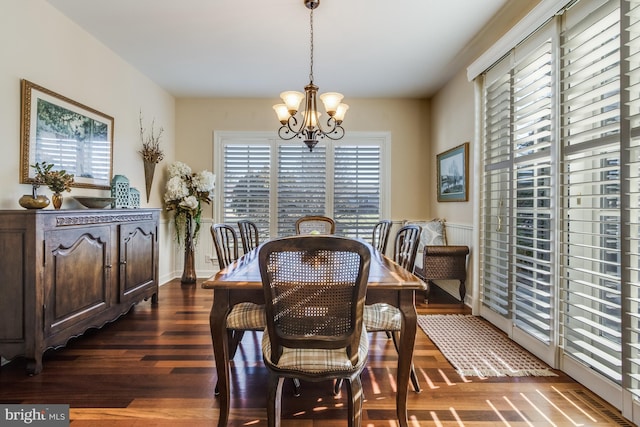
x: 475, y: 348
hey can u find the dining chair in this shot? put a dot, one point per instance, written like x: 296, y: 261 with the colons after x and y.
x: 249, y: 235
x: 315, y: 224
x: 383, y: 317
x: 225, y: 240
x: 314, y: 288
x: 380, y: 235
x: 245, y: 316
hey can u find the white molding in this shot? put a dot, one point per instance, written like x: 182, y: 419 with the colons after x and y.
x: 523, y: 29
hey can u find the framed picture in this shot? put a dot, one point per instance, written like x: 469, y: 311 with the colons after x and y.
x: 71, y: 136
x: 453, y: 174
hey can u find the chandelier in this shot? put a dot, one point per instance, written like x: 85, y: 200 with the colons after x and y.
x: 307, y: 124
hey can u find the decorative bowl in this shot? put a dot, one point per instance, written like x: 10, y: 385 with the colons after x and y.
x: 94, y: 202
x: 29, y: 202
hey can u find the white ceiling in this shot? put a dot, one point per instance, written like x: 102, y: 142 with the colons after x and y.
x: 232, y: 48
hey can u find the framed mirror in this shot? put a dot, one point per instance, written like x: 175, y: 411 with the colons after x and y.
x: 70, y: 135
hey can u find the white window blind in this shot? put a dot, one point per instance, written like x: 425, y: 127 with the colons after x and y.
x: 357, y: 189
x: 583, y: 179
x: 245, y: 185
x: 532, y: 192
x: 631, y: 154
x: 497, y: 183
x: 274, y: 182
x: 517, y: 226
x: 302, y: 184
x: 590, y: 85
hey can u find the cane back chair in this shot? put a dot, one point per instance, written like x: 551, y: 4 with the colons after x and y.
x: 315, y: 289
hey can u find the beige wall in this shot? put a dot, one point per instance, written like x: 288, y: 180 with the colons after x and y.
x: 41, y: 45
x: 453, y: 107
x: 452, y: 124
x: 406, y: 119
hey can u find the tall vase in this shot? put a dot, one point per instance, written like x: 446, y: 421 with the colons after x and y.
x: 189, y: 270
x: 56, y: 200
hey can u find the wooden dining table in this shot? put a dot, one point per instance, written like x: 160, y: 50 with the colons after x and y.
x: 240, y: 282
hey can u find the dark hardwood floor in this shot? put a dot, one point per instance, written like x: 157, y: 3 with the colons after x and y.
x: 154, y: 367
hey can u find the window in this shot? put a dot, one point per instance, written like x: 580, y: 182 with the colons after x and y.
x: 518, y: 182
x: 342, y: 179
x: 560, y: 202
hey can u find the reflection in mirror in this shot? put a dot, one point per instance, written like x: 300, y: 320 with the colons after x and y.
x: 72, y: 136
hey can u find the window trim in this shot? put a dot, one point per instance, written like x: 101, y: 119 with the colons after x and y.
x: 536, y: 18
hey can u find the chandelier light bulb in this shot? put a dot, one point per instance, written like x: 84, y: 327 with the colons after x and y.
x: 282, y: 112
x: 311, y: 120
x: 331, y: 100
x: 292, y: 100
x: 340, y: 112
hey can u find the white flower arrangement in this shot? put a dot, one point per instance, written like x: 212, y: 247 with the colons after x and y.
x: 185, y: 192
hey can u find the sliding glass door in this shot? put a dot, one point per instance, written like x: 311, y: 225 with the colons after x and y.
x: 560, y: 200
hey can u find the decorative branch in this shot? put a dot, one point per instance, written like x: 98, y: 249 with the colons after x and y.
x: 151, y: 151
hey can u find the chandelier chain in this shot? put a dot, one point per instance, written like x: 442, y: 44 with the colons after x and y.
x: 311, y: 44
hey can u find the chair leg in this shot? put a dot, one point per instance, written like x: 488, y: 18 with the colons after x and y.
x: 355, y: 398
x: 337, y: 386
x: 236, y: 337
x: 414, y: 377
x: 274, y: 400
x: 296, y: 387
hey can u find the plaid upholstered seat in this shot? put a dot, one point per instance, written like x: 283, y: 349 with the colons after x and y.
x: 382, y: 317
x: 317, y: 361
x: 247, y: 316
x: 314, y: 288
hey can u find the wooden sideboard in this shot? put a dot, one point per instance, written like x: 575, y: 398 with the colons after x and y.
x: 63, y: 272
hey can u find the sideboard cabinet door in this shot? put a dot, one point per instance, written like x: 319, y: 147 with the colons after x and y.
x: 77, y: 275
x: 138, y: 253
